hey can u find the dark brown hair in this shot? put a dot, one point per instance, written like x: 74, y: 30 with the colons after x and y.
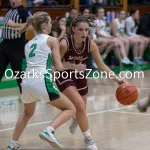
x: 88, y: 19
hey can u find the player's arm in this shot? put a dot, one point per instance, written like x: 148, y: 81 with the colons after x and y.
x: 63, y: 47
x: 114, y: 28
x: 98, y: 60
x: 54, y: 46
x: 15, y: 25
x: 24, y: 13
x: 101, y: 34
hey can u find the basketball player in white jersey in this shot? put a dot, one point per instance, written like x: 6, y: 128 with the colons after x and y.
x: 131, y: 29
x: 39, y: 52
x: 102, y: 33
x: 118, y: 30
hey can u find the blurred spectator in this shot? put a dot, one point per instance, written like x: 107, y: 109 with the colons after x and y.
x: 86, y: 11
x: 144, y: 26
x: 100, y: 2
x: 114, y: 2
x: 118, y: 30
x: 59, y: 27
x: 73, y: 13
x: 131, y: 23
x: 43, y: 2
x: 109, y: 40
x: 90, y: 2
x: 131, y: 29
x: 39, y: 2
x: 31, y: 3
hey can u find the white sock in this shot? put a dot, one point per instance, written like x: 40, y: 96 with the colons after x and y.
x: 86, y: 133
x: 125, y: 58
x: 12, y: 141
x: 50, y: 129
x: 140, y: 57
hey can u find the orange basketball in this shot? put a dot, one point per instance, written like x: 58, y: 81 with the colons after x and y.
x: 126, y: 94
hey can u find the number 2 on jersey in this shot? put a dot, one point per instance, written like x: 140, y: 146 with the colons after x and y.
x: 32, y: 48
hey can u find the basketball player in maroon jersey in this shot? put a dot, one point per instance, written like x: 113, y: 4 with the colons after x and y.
x: 74, y: 49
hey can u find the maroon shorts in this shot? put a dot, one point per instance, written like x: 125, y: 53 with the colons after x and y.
x: 80, y: 84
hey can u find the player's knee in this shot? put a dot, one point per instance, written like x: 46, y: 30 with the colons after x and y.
x: 104, y: 45
x: 28, y: 115
x: 112, y: 42
x: 116, y: 45
x: 146, y: 42
x: 141, y: 42
x: 127, y: 42
x: 73, y: 109
x: 135, y: 43
x: 121, y: 44
x: 81, y: 109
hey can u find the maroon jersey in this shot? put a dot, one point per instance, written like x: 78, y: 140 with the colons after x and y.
x: 73, y: 54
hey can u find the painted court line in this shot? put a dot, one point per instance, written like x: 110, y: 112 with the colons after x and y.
x: 131, y: 113
x: 90, y: 114
x: 110, y: 110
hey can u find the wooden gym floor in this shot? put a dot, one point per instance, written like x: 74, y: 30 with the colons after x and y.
x: 113, y: 126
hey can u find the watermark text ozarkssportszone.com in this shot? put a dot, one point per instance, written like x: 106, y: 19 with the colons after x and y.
x: 9, y: 74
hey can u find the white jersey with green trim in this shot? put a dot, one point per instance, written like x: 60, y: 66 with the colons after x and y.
x: 38, y: 54
x: 131, y: 27
x: 120, y: 26
x: 101, y: 23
